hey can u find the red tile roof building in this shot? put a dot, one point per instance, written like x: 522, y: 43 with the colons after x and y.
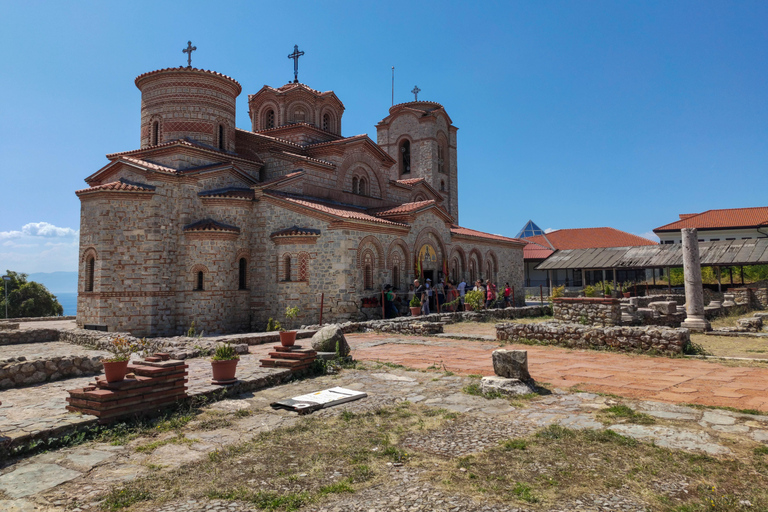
x: 209, y: 223
x: 714, y: 225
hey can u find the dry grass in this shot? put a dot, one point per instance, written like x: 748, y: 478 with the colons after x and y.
x: 488, y: 328
x: 730, y: 319
x: 289, y: 468
x: 727, y: 346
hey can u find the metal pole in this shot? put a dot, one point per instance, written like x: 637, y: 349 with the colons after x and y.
x: 514, y: 304
x: 541, y: 295
x: 383, y: 310
x: 393, y: 86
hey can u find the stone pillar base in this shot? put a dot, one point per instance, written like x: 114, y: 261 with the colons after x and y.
x: 697, y: 324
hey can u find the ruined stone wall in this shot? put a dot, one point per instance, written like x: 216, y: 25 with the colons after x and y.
x: 588, y: 310
x: 751, y: 297
x: 16, y: 372
x: 627, y: 339
x: 18, y: 337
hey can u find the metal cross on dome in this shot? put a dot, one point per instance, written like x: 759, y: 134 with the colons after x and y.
x: 189, y: 49
x: 295, y: 56
x: 416, y: 92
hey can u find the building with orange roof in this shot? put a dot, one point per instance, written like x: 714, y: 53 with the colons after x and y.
x: 543, y: 245
x: 716, y: 225
x: 221, y: 226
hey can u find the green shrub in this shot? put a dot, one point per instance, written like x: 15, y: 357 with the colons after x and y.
x: 225, y: 352
x: 475, y: 299
x: 415, y: 302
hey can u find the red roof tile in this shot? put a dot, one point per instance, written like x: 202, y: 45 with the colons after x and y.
x: 411, y: 181
x: 335, y: 209
x: 719, y: 219
x: 234, y: 192
x: 404, y: 209
x: 589, y: 238
x: 534, y: 251
x: 149, y: 165
x: 458, y: 230
x: 118, y: 186
x: 183, y: 68
x: 296, y: 231
x: 210, y: 225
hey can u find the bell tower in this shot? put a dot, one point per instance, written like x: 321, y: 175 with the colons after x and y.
x: 421, y: 137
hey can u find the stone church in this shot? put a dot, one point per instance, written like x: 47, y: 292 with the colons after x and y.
x: 225, y: 227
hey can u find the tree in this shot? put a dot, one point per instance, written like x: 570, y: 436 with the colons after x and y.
x: 27, y: 298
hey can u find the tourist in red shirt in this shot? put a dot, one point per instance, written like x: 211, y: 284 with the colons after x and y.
x: 490, y: 293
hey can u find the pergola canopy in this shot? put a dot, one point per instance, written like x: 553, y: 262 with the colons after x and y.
x: 722, y: 253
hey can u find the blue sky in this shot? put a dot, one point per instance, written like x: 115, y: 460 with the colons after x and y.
x: 573, y: 114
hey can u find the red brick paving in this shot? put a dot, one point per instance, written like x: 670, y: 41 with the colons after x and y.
x: 629, y: 375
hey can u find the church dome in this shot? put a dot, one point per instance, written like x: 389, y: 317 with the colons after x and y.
x: 188, y: 103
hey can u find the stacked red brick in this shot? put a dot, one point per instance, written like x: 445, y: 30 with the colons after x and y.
x: 296, y: 358
x: 149, y: 386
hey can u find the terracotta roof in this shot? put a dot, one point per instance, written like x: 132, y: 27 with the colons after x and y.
x: 403, y: 209
x: 148, y: 165
x: 183, y: 68
x: 535, y: 251
x: 411, y: 181
x: 294, y: 85
x: 589, y: 238
x: 309, y: 159
x: 210, y: 225
x: 342, y: 140
x: 720, y: 219
x: 119, y: 186
x: 296, y: 231
x: 235, y: 192
x: 344, y: 211
x: 458, y: 230
x: 414, y: 105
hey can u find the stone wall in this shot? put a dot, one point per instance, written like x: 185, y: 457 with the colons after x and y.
x: 16, y: 372
x: 16, y: 337
x: 588, y: 310
x: 43, y: 318
x: 8, y: 326
x: 628, y: 339
x: 751, y: 297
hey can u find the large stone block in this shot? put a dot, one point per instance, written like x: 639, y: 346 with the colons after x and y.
x: 664, y: 307
x: 331, y: 339
x: 507, y: 386
x: 512, y: 364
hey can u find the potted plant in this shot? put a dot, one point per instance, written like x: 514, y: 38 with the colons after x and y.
x: 625, y: 289
x: 288, y: 336
x: 474, y: 300
x: 224, y: 364
x: 415, y: 306
x: 116, y: 366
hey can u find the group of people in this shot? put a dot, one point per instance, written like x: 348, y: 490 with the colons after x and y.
x: 442, y: 293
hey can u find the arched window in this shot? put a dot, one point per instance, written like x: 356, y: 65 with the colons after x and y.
x: 304, y: 267
x: 155, y: 137
x: 327, y: 122
x: 440, y: 159
x: 199, y: 283
x: 455, y: 269
x: 243, y: 274
x: 405, y: 157
x: 287, y: 267
x: 269, y: 119
x: 368, y: 278
x: 221, y: 137
x: 362, y: 187
x: 396, y: 277
x: 442, y: 186
x: 90, y: 265
x: 355, y: 186
x: 299, y: 115
x: 472, y: 272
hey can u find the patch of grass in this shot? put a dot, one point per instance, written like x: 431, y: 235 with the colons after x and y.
x: 125, y: 497
x: 475, y: 389
x: 243, y: 413
x: 337, y: 488
x: 514, y: 444
x: 754, y: 412
x: 154, y: 445
x: 761, y: 450
x: 214, y: 423
x: 694, y: 349
x: 523, y: 491
x: 555, y: 432
x: 262, y: 500
x: 625, y: 413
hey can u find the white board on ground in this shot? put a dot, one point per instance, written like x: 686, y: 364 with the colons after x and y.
x: 319, y: 400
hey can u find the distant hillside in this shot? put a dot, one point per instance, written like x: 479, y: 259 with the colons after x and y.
x: 56, y: 282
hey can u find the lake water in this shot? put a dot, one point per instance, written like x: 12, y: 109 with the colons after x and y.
x: 68, y: 302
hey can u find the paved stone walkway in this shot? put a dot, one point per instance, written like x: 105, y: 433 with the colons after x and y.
x: 635, y: 376
x: 76, y: 478
x: 47, y: 350
x: 32, y: 411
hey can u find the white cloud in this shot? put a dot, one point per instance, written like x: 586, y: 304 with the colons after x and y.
x: 39, y: 247
x: 549, y: 230
x: 650, y: 235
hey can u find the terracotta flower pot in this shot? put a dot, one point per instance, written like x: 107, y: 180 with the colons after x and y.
x: 467, y: 307
x: 415, y: 311
x: 287, y: 338
x: 224, y: 371
x: 115, y: 371
x: 627, y: 295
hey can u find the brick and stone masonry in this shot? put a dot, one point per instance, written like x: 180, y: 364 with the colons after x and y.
x: 587, y: 310
x: 626, y: 339
x: 148, y: 387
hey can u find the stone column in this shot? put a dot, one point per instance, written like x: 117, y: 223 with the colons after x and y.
x: 694, y: 292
